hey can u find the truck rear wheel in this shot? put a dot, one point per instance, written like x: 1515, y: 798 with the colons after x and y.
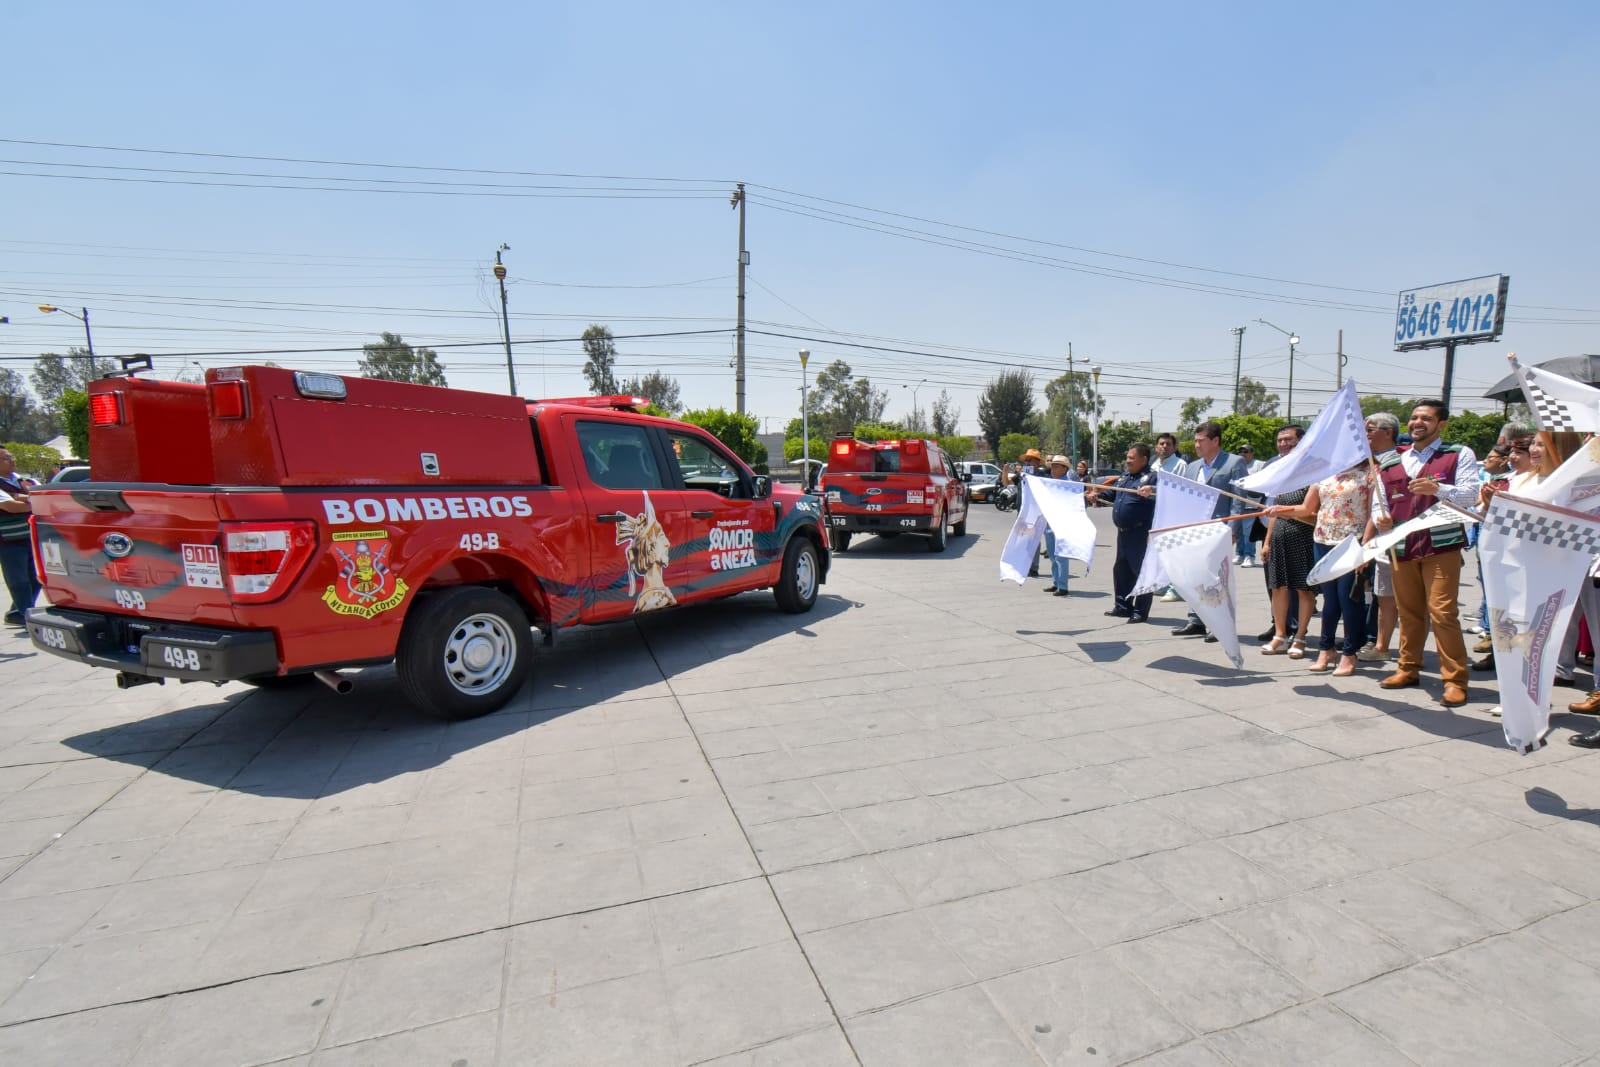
x: 936, y: 538
x: 796, y: 590
x: 464, y: 651
x: 839, y: 540
x: 960, y: 529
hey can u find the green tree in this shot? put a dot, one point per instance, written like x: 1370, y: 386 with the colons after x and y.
x: 600, y: 361
x: 33, y: 459
x: 1477, y: 432
x: 660, y: 389
x: 956, y: 446
x: 736, y: 431
x: 73, y: 408
x: 1192, y: 414
x: 1117, y: 437
x: 1068, y: 398
x: 946, y: 416
x: 1398, y: 407
x: 793, y: 446
x: 1006, y: 407
x: 1255, y: 400
x: 882, y: 431
x: 393, y: 360
x: 840, y: 400
x: 1013, y: 445
x: 1260, y: 432
x: 20, y: 417
x: 54, y: 375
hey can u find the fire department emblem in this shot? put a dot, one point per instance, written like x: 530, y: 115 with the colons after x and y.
x: 366, y: 586
x: 648, y: 554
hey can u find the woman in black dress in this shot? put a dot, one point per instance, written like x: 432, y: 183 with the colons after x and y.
x: 1289, y: 550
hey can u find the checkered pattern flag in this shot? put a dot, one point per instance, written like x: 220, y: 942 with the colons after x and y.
x: 1558, y: 402
x: 1178, y: 502
x: 1535, y: 557
x: 1186, y: 535
x: 1199, y: 562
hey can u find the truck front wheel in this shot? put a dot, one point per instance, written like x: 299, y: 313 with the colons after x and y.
x: 796, y: 590
x: 464, y: 651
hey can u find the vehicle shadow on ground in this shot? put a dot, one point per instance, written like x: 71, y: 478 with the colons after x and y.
x: 910, y: 545
x: 303, y: 741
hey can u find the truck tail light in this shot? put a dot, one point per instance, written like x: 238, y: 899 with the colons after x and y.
x: 843, y: 448
x: 911, y: 448
x: 105, y: 409
x: 229, y: 400
x: 263, y: 559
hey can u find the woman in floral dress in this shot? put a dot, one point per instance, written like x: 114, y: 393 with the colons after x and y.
x: 1346, y: 501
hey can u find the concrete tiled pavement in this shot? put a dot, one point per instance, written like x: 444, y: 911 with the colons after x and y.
x: 939, y: 820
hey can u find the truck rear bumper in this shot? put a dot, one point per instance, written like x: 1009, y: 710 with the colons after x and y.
x: 153, y: 648
x: 880, y: 523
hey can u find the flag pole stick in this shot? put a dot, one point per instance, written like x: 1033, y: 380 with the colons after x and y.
x: 1207, y: 522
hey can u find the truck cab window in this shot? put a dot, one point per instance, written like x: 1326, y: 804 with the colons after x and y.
x: 618, y: 456
x: 706, y: 467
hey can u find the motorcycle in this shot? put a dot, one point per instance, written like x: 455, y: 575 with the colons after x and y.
x: 1007, y: 498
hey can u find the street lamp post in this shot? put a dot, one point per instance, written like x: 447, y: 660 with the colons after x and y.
x: 88, y: 338
x: 1153, y: 408
x: 805, y: 419
x: 1094, y: 412
x: 505, y: 314
x: 1294, y: 339
x: 915, y: 423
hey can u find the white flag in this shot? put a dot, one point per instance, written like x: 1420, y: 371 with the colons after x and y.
x: 1575, y: 484
x: 1345, y: 557
x: 1558, y: 402
x: 1533, y: 559
x: 1178, y: 503
x: 1062, y: 504
x: 1432, y: 519
x: 1199, y: 562
x: 1022, y: 544
x: 1335, y: 442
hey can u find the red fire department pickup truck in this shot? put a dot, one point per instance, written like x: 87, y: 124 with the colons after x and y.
x: 272, y: 523
x: 890, y: 488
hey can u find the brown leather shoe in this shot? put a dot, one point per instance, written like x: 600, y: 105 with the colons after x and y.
x: 1589, y: 705
x: 1400, y: 680
x: 1483, y: 644
x: 1454, y: 695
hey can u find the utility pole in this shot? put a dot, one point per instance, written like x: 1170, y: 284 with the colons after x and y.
x: 744, y: 261
x: 505, y: 315
x: 1072, y: 403
x: 1238, y: 360
x: 1338, y: 368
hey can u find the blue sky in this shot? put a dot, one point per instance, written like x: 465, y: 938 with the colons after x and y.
x: 1370, y: 148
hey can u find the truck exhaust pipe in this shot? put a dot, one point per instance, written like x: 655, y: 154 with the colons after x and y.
x: 128, y: 681
x: 335, y: 681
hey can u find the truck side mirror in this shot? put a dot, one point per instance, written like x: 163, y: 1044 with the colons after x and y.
x: 763, y: 486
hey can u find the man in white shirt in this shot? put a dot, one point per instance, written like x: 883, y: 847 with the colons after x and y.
x: 1167, y: 456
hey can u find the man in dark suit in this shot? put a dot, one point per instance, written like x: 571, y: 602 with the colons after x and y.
x: 1220, y: 470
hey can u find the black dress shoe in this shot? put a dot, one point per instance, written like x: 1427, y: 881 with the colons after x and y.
x: 1117, y: 613
x: 1136, y: 617
x: 1211, y: 639
x: 1191, y: 629
x: 1267, y: 635
x: 1063, y: 592
x: 1049, y: 589
x: 1487, y: 664
x: 1585, y: 740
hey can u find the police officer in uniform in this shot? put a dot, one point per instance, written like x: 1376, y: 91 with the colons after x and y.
x: 1132, y: 510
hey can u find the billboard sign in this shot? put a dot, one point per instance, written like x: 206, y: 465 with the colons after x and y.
x: 1453, y: 313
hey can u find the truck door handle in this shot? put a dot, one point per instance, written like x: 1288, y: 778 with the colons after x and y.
x: 615, y: 516
x: 702, y: 514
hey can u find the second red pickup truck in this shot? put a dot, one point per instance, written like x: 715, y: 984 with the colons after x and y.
x: 890, y: 488
x: 272, y: 523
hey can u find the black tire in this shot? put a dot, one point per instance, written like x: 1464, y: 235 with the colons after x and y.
x: 797, y: 584
x: 464, y: 652
x: 960, y: 529
x: 839, y: 540
x: 936, y: 537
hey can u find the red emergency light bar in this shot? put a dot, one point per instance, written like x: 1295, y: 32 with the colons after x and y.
x: 613, y: 403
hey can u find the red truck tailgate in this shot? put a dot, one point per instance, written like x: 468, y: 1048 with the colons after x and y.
x: 132, y: 551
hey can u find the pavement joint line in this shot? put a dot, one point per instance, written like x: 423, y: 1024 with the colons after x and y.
x: 356, y: 957
x: 765, y: 875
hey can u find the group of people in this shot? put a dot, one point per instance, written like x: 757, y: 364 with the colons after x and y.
x: 1415, y: 588
x: 16, y: 550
